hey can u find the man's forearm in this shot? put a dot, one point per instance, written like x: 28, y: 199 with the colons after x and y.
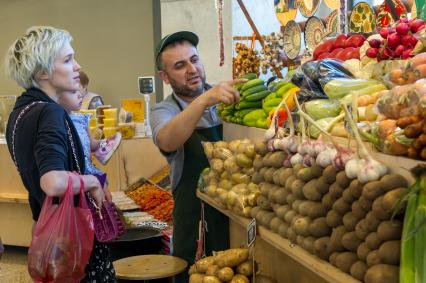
x: 177, y: 131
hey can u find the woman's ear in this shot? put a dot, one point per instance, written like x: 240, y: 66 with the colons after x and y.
x: 164, y: 77
x: 42, y: 75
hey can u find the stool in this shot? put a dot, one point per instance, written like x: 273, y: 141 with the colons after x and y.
x: 148, y: 267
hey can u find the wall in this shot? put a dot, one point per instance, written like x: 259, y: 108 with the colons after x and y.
x: 113, y: 40
x: 200, y: 17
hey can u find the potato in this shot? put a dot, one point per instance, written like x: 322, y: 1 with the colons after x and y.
x: 393, y: 181
x: 265, y: 188
x: 233, y: 145
x: 249, y: 151
x: 276, y: 159
x: 350, y: 241
x: 245, y: 268
x: 382, y: 273
x: 319, y: 228
x: 268, y: 176
x: 239, y: 178
x: 239, y: 278
x: 341, y: 206
x: 296, y: 204
x: 335, y: 190
x: 193, y: 268
x: 254, y: 211
x: 262, y: 172
x: 301, y: 226
x: 322, y: 185
x: 264, y: 279
x: 282, y: 210
x: 241, y: 148
x: 308, y: 244
x: 371, y: 222
x: 327, y: 201
x: 252, y: 198
x: 225, y: 184
x: 211, y: 279
x: 358, y: 270
x: 288, y: 217
x: 391, y: 198
x: 257, y: 162
x: 266, y: 219
x: 284, y: 174
x: 333, y: 257
x: 208, y: 149
x: 263, y: 203
x: 299, y: 240
x: 276, y: 176
x: 291, y: 235
x: 289, y: 182
x: 222, y: 153
x: 358, y: 211
x: 225, y: 273
x: 334, y: 219
x: 362, y: 251
x: 220, y: 144
x: 373, y: 258
x: 345, y: 260
x: 361, y: 230
x: 373, y: 190
x: 317, y: 210
x: 356, y: 188
x: 271, y: 193
x: 365, y: 203
x: 211, y: 190
x: 291, y: 198
x: 275, y: 224
x: 212, y: 269
x: 307, y: 174
x: 304, y: 207
x: 297, y: 188
x: 390, y: 252
x: 320, y: 248
x: 261, y: 148
x: 373, y: 242
x: 342, y: 180
x: 329, y: 174
x: 389, y: 230
x: 204, y: 263
x: 347, y: 196
x: 336, y: 240
x: 231, y: 257
x: 196, y: 278
x: 282, y: 230
x: 217, y: 165
x: 349, y: 221
x: 310, y: 190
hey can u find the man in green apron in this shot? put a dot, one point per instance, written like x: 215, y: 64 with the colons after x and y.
x: 180, y: 124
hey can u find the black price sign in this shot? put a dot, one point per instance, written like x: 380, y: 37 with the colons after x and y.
x: 251, y: 232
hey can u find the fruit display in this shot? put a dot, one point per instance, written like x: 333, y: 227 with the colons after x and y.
x: 232, y: 265
x: 246, y: 61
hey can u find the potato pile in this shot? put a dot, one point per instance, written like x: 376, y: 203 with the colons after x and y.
x: 331, y: 216
x: 229, y: 180
x: 233, y: 265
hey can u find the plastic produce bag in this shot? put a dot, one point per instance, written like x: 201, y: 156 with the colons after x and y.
x: 62, y: 240
x: 322, y: 108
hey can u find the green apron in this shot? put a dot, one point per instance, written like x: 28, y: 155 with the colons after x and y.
x: 187, y: 207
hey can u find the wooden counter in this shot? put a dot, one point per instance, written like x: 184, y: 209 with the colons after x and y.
x: 134, y: 159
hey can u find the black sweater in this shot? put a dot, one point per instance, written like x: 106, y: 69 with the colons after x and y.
x: 41, y: 143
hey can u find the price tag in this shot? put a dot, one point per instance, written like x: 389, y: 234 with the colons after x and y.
x: 346, y: 123
x: 251, y: 232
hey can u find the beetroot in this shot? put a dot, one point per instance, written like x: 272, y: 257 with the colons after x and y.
x: 407, y: 53
x: 398, y: 51
x: 416, y: 25
x: 375, y: 43
x: 402, y: 28
x: 384, y: 32
x: 372, y: 52
x: 393, y: 40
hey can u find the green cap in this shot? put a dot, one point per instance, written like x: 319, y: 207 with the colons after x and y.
x: 173, y: 37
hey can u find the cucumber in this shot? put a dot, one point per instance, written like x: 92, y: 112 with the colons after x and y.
x: 282, y: 90
x: 250, y: 76
x: 257, y: 96
x: 254, y: 89
x: 252, y: 83
x: 249, y: 104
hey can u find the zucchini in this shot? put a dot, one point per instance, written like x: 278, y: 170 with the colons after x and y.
x: 252, y: 83
x: 254, y: 90
x: 257, y: 96
x: 249, y: 104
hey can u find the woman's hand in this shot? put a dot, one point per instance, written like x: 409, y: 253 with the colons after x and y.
x: 98, y: 195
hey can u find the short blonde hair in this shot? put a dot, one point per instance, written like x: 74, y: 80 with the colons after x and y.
x: 33, y: 53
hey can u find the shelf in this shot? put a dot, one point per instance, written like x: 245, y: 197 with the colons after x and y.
x: 14, y: 198
x: 320, y: 267
x: 397, y: 164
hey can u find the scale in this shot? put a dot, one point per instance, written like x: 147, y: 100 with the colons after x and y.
x: 146, y: 88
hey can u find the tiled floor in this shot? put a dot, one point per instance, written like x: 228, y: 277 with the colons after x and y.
x: 13, y: 265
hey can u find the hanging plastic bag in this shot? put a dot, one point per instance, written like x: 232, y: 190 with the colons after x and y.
x: 62, y: 240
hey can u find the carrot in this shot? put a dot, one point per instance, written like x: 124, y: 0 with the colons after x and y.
x: 395, y: 75
x: 409, y: 77
x: 412, y: 153
x: 393, y: 147
x: 413, y: 130
x: 408, y: 120
x: 420, y: 71
x: 386, y: 127
x: 363, y: 100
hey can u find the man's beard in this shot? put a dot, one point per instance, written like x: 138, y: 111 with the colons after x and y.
x: 184, y: 90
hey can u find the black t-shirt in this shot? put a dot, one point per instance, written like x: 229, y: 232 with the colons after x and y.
x: 41, y: 143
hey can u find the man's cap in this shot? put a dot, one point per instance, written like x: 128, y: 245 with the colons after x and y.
x: 173, y: 37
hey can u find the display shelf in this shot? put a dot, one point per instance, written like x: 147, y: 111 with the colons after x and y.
x: 398, y: 164
x: 14, y: 198
x: 320, y: 267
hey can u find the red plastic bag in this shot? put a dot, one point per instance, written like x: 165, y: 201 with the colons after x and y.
x: 63, y: 240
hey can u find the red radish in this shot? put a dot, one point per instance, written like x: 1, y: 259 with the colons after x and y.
x: 415, y: 25
x: 409, y: 40
x: 375, y: 43
x: 402, y: 28
x: 407, y: 53
x: 413, y: 41
x: 384, y: 54
x: 393, y: 40
x: 403, y: 20
x: 340, y: 41
x: 384, y: 32
x: 372, y: 52
x: 398, y: 51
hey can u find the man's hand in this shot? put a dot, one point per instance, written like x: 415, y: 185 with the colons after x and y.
x: 222, y: 92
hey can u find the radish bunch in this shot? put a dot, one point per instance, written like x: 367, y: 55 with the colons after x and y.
x: 398, y: 41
